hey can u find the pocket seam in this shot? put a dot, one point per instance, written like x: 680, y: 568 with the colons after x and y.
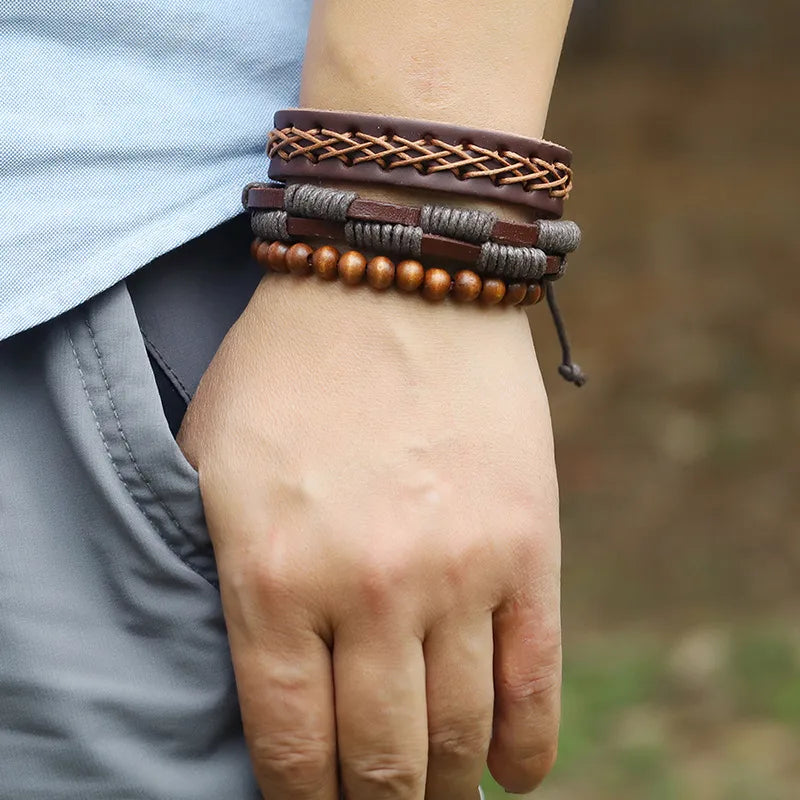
x: 162, y: 362
x: 167, y: 510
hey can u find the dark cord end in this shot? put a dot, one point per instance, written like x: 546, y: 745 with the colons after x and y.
x: 572, y: 373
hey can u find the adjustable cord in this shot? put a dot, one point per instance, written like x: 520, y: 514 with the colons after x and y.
x: 568, y: 369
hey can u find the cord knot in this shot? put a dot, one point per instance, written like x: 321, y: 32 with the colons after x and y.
x: 568, y: 369
x: 572, y: 373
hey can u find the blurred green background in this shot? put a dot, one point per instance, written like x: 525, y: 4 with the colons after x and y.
x: 679, y: 460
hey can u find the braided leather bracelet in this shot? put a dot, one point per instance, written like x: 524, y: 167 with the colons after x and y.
x: 346, y: 146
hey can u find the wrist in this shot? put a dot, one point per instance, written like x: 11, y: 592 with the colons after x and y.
x: 319, y: 320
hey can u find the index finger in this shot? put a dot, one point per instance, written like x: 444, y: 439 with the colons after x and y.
x: 285, y: 684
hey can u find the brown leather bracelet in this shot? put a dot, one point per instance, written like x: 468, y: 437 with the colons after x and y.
x: 440, y: 248
x: 262, y: 197
x: 347, y: 146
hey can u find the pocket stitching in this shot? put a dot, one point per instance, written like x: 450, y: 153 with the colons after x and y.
x: 162, y: 362
x: 131, y: 456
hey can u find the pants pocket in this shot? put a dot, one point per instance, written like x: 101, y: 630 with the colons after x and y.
x: 125, y: 408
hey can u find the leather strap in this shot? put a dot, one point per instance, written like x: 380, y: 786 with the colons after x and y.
x: 347, y: 146
x: 436, y: 247
x: 268, y: 198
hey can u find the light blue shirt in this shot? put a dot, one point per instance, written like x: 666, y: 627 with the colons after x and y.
x: 128, y: 127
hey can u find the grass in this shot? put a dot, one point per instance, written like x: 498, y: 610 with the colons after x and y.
x: 714, y: 715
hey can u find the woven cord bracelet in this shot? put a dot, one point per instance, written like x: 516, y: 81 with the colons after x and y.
x: 468, y: 225
x: 502, y: 261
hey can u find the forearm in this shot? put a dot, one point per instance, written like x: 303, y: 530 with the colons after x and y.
x: 483, y: 64
x: 479, y: 64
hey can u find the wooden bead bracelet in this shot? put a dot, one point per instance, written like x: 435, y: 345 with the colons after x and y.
x: 409, y: 275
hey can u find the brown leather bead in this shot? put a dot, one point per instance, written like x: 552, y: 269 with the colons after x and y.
x: 515, y: 294
x: 534, y: 294
x: 466, y: 286
x: 409, y: 275
x: 325, y: 262
x: 380, y: 272
x: 273, y: 255
x: 298, y: 258
x: 493, y: 292
x: 352, y: 266
x: 437, y: 284
x: 254, y: 248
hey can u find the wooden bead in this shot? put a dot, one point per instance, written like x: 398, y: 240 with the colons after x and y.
x: 254, y: 248
x: 298, y: 258
x: 273, y: 255
x: 466, y: 286
x: 515, y: 294
x: 493, y: 292
x: 437, y: 284
x: 352, y: 266
x: 533, y: 295
x: 409, y: 275
x: 380, y: 272
x: 325, y: 262
x: 262, y: 254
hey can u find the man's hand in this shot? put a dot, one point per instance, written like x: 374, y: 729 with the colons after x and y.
x: 379, y: 485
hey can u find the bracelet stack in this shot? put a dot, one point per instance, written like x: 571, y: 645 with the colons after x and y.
x: 436, y: 251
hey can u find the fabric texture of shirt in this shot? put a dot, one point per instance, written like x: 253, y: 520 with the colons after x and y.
x: 128, y: 127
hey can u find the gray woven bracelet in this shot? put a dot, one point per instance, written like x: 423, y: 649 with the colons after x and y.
x: 467, y: 225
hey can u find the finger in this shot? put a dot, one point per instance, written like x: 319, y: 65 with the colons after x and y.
x: 527, y: 670
x: 381, y: 714
x: 285, y: 684
x: 458, y: 668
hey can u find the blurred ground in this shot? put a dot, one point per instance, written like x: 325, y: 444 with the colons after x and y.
x: 678, y: 461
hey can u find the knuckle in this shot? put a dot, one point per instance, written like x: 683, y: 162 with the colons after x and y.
x: 390, y: 775
x: 529, y: 548
x: 467, y: 563
x: 540, y: 680
x: 460, y: 745
x: 526, y: 543
x: 383, y: 581
x: 292, y: 759
x: 540, y: 673
x: 273, y: 582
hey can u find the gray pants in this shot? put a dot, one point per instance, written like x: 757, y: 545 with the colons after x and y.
x: 115, y: 674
